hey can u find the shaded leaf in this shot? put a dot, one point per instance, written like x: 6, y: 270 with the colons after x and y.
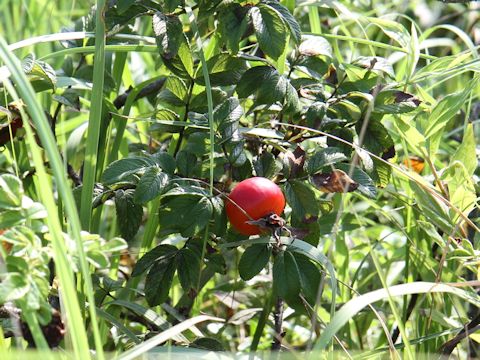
x: 301, y: 198
x: 186, y: 214
x: 129, y: 213
x: 286, y: 276
x: 158, y: 281
x: 156, y: 254
x: 253, y: 260
x: 188, y: 267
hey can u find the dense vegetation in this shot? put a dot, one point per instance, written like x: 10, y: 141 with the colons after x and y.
x: 124, y: 130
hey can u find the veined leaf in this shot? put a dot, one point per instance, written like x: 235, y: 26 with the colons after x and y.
x: 270, y: 30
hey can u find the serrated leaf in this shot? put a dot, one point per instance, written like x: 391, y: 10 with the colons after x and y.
x: 301, y: 199
x: 226, y: 117
x: 376, y: 139
x: 182, y: 64
x: 313, y: 45
x: 158, y: 281
x: 286, y: 276
x: 188, y: 267
x: 268, y: 86
x: 156, y: 254
x: 223, y: 69
x: 120, y: 169
x: 324, y: 157
x: 174, y: 92
x: 266, y: 165
x: 232, y: 24
x: 129, y: 213
x: 168, y: 32
x: 165, y: 161
x: 269, y: 29
x: 151, y: 185
x: 290, y: 21
x: 185, y: 214
x: 253, y: 260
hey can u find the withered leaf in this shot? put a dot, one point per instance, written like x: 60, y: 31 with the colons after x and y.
x: 336, y: 181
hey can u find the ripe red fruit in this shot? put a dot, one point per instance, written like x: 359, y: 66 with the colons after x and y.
x: 258, y: 197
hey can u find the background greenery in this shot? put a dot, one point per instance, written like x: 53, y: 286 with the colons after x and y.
x: 112, y: 194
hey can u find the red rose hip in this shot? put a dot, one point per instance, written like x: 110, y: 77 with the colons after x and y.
x: 258, y: 197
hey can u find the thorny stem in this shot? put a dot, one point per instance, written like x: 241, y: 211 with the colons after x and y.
x: 278, y: 319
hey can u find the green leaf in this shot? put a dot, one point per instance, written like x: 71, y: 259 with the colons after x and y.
x: 186, y: 214
x: 226, y: 117
x: 129, y: 213
x: 434, y: 211
x: 156, y: 254
x: 269, y: 87
x: 461, y: 189
x: 465, y: 151
x: 168, y: 32
x: 266, y: 165
x: 121, y: 169
x: 223, y: 69
x: 165, y: 161
x: 445, y: 110
x: 309, y: 277
x: 13, y: 286
x: 393, y: 30
x: 186, y: 162
x: 232, y: 24
x: 290, y: 21
x: 182, y: 64
x: 188, y: 267
x: 253, y: 260
x: 324, y: 157
x: 39, y: 69
x: 270, y: 30
x: 301, y: 198
x: 171, y: 5
x: 158, y: 281
x: 286, y: 276
x: 151, y: 185
x: 11, y: 192
x: 174, y: 92
x: 376, y: 139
